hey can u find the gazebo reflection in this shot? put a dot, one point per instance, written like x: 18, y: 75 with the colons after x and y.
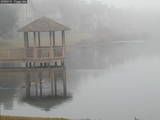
x: 46, y: 89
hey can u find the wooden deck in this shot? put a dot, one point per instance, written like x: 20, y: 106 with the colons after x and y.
x: 38, y: 54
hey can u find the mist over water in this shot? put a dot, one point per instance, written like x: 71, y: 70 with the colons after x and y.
x: 112, y: 62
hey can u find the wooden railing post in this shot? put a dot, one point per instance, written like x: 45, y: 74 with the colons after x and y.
x: 51, y: 48
x: 35, y: 49
x: 8, y: 52
x: 51, y: 52
x: 63, y: 43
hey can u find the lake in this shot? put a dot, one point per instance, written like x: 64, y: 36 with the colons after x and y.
x: 115, y: 82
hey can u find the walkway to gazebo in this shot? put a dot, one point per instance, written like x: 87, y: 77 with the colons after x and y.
x: 38, y: 53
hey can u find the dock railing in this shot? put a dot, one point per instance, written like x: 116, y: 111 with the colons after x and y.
x: 32, y: 53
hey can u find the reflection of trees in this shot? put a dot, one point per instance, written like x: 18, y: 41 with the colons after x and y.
x: 102, y: 54
x: 9, y: 82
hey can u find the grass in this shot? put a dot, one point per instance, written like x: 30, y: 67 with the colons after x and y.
x: 28, y: 118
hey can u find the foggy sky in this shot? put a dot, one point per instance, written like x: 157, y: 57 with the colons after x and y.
x: 137, y: 4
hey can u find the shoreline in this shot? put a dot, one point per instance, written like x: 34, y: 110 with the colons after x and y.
x: 29, y: 118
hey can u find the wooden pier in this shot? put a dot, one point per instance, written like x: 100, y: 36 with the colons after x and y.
x: 36, y: 53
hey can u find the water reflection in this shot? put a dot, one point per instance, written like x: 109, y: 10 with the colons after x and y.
x: 41, y: 87
x: 10, y: 82
x: 41, y: 83
x: 46, y: 89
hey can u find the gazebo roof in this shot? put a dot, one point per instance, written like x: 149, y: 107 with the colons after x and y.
x: 43, y: 24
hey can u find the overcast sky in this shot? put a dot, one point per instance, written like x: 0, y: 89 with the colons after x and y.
x: 139, y: 4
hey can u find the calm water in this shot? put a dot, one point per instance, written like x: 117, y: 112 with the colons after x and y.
x: 118, y: 83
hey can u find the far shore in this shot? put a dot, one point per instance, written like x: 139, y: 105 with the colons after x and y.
x: 29, y: 118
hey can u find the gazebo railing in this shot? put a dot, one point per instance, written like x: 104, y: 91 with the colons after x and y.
x: 32, y: 53
x: 12, y: 53
x: 46, y: 52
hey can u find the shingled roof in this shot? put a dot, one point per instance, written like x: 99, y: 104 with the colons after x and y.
x: 43, y: 24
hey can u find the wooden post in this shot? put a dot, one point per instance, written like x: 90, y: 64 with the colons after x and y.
x: 28, y: 84
x: 40, y: 82
x: 39, y: 45
x: 25, y: 45
x: 63, y: 43
x: 55, y: 83
x: 63, y: 38
x: 35, y: 50
x: 51, y: 78
x: 54, y: 43
x: 64, y: 83
x: 51, y: 48
x: 36, y: 84
x: 27, y: 39
x: 34, y: 34
x: 39, y: 39
x: 50, y: 38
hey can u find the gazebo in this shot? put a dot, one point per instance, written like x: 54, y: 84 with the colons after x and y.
x: 43, y: 54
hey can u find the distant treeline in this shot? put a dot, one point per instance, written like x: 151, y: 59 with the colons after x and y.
x: 92, y: 17
x: 28, y: 118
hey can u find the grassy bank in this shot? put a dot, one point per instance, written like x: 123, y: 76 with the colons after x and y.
x: 28, y: 118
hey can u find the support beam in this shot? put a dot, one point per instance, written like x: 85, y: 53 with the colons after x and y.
x: 63, y: 38
x: 54, y: 42
x: 35, y: 50
x: 27, y: 39
x: 51, y: 48
x: 51, y: 78
x: 34, y: 34
x: 28, y: 84
x: 55, y: 83
x: 25, y: 45
x: 40, y: 82
x: 39, y: 39
x: 64, y: 83
x: 63, y: 42
x: 50, y: 38
x: 36, y: 85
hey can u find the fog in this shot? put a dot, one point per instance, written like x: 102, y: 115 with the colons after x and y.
x: 104, y: 18
x: 112, y: 58
x: 8, y: 20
